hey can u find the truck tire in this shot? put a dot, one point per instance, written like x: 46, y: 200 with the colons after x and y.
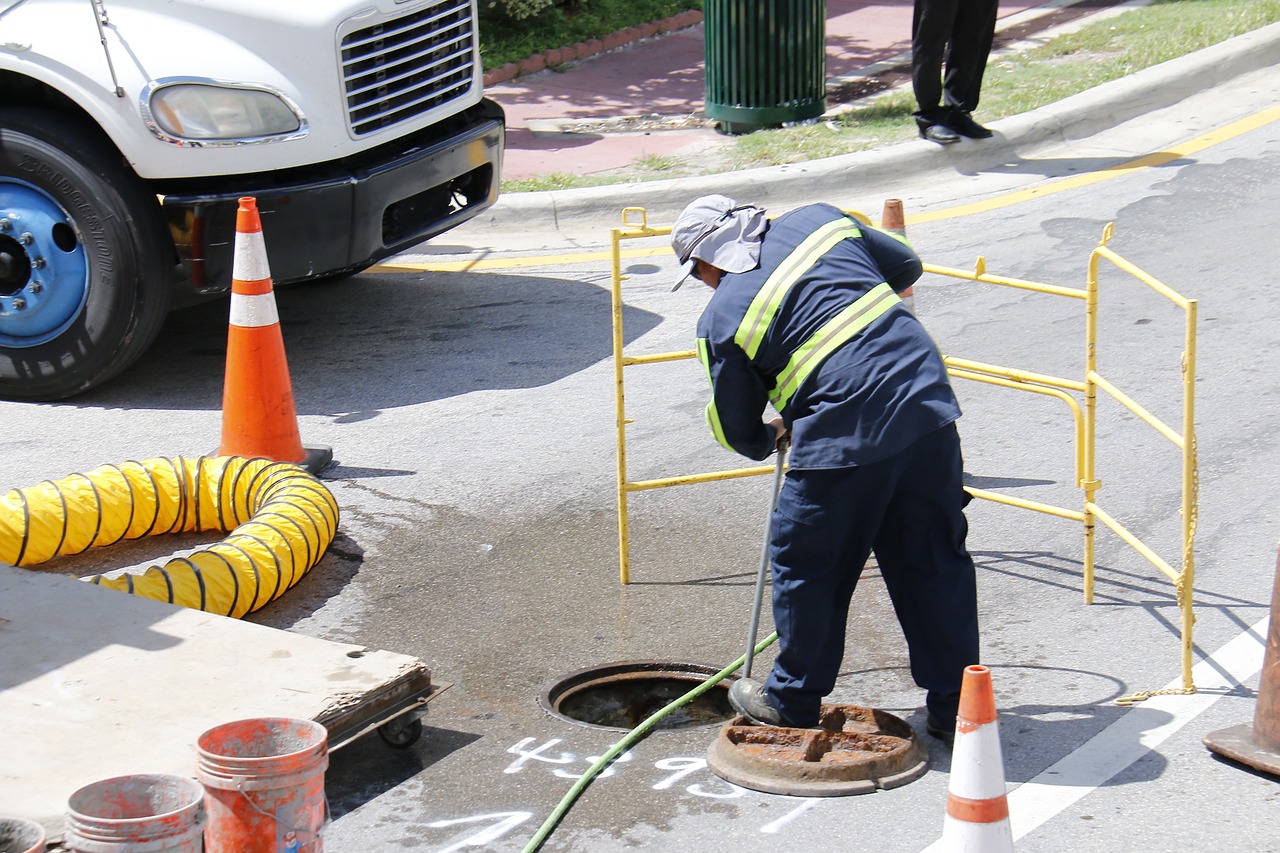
x: 86, y: 265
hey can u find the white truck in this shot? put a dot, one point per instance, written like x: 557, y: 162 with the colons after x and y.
x: 130, y: 128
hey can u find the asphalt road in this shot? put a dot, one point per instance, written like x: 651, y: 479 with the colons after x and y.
x: 472, y: 418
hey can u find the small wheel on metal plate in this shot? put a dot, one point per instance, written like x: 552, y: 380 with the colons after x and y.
x: 402, y: 732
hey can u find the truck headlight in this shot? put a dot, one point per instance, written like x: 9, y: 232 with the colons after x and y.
x: 216, y: 113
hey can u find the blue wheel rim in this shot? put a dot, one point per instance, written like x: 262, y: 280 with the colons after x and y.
x: 44, y: 269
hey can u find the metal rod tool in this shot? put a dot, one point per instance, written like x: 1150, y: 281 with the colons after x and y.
x: 764, y: 557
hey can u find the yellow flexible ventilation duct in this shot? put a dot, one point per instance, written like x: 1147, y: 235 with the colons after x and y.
x: 281, y: 520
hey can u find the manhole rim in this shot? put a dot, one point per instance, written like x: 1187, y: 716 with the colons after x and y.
x: 565, y: 686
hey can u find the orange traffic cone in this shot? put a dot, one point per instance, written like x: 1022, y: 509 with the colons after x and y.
x: 895, y: 222
x: 1259, y: 746
x: 977, y: 809
x: 258, y: 414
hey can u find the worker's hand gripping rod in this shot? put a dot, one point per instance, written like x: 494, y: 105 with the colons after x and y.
x: 764, y: 556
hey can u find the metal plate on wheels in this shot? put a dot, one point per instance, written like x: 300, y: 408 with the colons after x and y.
x: 854, y: 750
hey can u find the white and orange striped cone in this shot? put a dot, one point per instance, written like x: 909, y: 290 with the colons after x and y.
x: 258, y: 413
x: 977, y: 808
x: 894, y: 221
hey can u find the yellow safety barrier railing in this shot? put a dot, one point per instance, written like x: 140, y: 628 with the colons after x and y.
x: 1022, y: 380
x: 635, y: 225
x: 1185, y: 441
x: 632, y: 229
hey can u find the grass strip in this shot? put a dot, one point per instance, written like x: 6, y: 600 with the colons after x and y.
x: 1015, y: 83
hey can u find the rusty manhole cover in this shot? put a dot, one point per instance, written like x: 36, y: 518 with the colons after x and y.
x: 854, y: 750
x: 623, y: 695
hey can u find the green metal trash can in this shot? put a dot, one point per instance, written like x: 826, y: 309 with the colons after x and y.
x: 765, y: 62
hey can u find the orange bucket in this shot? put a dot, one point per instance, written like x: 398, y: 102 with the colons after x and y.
x: 264, y: 785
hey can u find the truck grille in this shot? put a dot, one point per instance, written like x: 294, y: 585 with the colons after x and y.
x: 404, y: 67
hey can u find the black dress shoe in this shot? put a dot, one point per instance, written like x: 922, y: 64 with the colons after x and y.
x: 962, y: 123
x: 938, y: 133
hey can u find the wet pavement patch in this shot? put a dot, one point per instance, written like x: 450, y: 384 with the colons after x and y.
x: 854, y: 750
x: 623, y: 695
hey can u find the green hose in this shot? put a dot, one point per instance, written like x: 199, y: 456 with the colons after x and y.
x: 628, y: 740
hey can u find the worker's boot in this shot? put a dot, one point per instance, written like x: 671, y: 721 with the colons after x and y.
x: 943, y: 732
x: 749, y: 699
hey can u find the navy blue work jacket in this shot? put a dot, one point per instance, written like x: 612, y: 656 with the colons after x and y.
x: 817, y: 330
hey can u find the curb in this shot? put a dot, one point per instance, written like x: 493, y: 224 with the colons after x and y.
x: 583, y: 49
x: 1076, y: 117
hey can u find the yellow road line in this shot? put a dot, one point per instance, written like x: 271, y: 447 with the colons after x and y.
x: 1159, y: 158
x: 517, y: 263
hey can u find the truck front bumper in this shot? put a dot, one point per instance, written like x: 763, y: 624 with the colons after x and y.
x: 345, y: 215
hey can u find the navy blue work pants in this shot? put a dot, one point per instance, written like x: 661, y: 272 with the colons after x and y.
x: 908, y: 508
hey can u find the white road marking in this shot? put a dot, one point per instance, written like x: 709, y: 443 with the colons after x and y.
x: 1131, y: 737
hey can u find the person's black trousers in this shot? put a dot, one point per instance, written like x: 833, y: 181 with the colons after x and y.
x: 957, y: 33
x: 909, y: 508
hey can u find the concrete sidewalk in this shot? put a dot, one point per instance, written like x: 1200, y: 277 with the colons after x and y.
x: 532, y: 219
x: 598, y: 114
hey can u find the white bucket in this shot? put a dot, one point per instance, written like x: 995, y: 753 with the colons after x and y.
x: 150, y: 813
x: 19, y: 835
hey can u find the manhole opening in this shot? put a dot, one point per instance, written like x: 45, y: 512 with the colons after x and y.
x: 623, y: 695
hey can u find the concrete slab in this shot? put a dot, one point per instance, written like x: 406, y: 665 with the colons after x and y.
x: 95, y: 684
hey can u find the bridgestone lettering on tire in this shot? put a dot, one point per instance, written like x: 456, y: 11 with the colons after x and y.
x: 86, y: 267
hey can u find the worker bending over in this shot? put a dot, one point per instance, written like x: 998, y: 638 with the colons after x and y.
x: 805, y: 316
